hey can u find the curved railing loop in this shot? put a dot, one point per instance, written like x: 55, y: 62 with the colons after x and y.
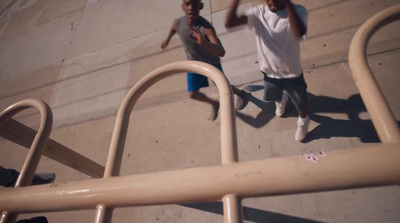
x: 227, y: 117
x: 376, y: 104
x: 228, y: 127
x: 39, y: 142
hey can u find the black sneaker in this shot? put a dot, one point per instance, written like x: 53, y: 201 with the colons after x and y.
x: 43, y: 178
x: 40, y: 219
x: 10, y: 177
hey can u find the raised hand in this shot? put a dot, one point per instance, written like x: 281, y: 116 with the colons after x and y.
x: 196, y: 36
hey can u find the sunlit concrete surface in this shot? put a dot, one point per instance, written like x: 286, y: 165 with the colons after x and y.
x: 82, y: 56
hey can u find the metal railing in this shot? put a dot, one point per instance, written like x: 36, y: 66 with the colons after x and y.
x: 231, y: 181
x: 382, y: 118
x: 228, y: 128
x: 35, y: 152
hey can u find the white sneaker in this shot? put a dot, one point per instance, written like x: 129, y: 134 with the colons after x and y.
x: 281, y: 106
x: 302, y: 128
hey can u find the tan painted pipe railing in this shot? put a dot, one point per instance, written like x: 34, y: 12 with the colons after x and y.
x: 353, y: 168
x: 341, y: 169
x: 228, y: 127
x: 39, y: 143
x: 381, y: 115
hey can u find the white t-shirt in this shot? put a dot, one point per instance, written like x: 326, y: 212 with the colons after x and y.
x: 278, y: 48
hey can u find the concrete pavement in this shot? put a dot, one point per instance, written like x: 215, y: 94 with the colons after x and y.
x: 82, y: 56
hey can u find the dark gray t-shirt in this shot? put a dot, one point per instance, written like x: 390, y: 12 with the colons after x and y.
x: 193, y: 50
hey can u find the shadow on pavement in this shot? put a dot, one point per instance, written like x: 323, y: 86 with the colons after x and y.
x: 251, y: 214
x: 328, y: 127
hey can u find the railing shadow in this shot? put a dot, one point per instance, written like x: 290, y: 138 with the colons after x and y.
x: 328, y: 127
x: 250, y: 214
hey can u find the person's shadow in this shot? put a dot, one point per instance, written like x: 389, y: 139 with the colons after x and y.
x: 328, y: 127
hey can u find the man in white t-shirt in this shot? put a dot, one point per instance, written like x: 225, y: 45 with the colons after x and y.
x: 279, y: 27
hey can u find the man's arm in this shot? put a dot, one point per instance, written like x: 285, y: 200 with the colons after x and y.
x: 172, y: 32
x: 232, y: 19
x: 298, y: 27
x: 213, y: 44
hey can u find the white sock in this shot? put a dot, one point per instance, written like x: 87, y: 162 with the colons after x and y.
x: 301, y: 120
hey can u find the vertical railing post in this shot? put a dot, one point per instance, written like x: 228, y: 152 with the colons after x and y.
x: 229, y: 154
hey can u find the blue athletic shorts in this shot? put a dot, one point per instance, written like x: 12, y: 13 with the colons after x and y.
x: 296, y: 88
x: 197, y: 81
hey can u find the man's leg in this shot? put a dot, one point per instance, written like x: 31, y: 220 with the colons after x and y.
x: 280, y: 104
x: 303, y: 113
x: 302, y: 124
x: 237, y: 91
x: 273, y: 91
x: 240, y: 99
x: 197, y: 95
x: 297, y: 90
x: 195, y: 82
